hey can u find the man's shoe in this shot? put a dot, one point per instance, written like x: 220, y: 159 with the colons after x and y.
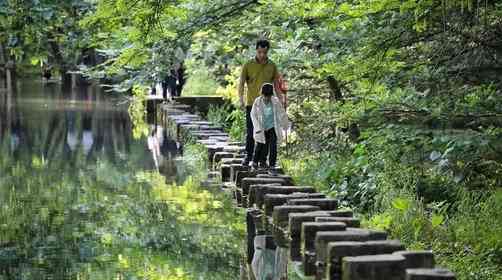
x: 263, y: 165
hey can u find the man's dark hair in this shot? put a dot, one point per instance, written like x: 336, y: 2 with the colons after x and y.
x: 263, y: 44
x: 267, y: 90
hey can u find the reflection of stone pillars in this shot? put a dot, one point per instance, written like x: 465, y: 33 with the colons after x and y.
x: 73, y: 80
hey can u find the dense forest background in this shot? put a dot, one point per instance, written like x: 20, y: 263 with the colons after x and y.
x: 396, y: 104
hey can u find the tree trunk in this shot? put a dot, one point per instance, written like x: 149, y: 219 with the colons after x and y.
x: 10, y: 74
x: 335, y: 91
x: 2, y: 67
x: 66, y: 79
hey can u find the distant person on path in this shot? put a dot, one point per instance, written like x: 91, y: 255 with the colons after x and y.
x: 269, y: 119
x: 180, y: 75
x: 169, y: 85
x: 255, y: 73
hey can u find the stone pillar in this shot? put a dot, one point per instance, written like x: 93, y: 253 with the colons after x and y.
x: 322, y: 203
x: 376, y: 267
x: 261, y: 192
x: 341, y: 213
x: 374, y: 234
x: 280, y: 215
x: 418, y: 259
x: 321, y: 245
x: 246, y: 182
x: 337, y: 250
x: 309, y: 231
x: 280, y: 219
x: 295, y: 229
x: 272, y: 200
x: 225, y: 172
x: 429, y: 274
x: 218, y: 156
x: 350, y: 222
x: 234, y: 168
x: 255, y: 191
x: 289, y: 180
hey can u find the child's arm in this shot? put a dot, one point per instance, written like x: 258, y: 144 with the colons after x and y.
x: 254, y: 117
x: 283, y: 116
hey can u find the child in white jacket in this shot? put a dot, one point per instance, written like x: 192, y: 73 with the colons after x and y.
x: 269, y: 120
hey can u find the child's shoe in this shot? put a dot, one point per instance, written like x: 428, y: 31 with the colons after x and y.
x: 273, y: 172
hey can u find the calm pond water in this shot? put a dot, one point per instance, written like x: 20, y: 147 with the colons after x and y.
x: 81, y: 198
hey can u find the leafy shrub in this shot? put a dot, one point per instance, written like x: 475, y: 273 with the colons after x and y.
x: 200, y: 81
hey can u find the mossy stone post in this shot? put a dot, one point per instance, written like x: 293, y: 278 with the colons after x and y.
x: 375, y: 267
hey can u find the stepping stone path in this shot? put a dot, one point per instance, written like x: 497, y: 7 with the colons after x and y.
x: 326, y: 242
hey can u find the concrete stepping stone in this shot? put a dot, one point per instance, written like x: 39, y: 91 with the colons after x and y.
x: 322, y: 203
x: 342, y: 213
x: 235, y: 149
x: 246, y: 182
x: 234, y: 168
x: 374, y: 234
x: 429, y: 274
x: 418, y: 259
x: 218, y: 156
x: 308, y: 242
x: 337, y: 250
x: 350, y: 222
x: 295, y: 229
x: 280, y: 214
x: 280, y: 219
x: 375, y: 267
x: 272, y: 200
x: 288, y: 178
x: 260, y: 192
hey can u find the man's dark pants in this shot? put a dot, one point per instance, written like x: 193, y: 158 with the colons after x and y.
x: 249, y: 135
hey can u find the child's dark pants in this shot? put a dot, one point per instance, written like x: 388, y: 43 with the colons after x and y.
x: 269, y: 148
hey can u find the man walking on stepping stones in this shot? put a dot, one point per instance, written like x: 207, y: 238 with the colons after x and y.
x: 255, y: 73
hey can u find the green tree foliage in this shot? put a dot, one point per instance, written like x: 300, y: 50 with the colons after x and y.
x: 39, y: 31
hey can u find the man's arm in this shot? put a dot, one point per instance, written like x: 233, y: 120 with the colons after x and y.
x: 279, y: 92
x: 242, y: 81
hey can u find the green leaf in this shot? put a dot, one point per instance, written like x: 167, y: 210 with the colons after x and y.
x: 401, y: 204
x: 437, y: 220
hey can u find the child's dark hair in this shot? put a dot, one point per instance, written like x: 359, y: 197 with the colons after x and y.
x: 267, y: 90
x: 263, y: 44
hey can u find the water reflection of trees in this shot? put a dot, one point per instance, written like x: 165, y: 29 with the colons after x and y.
x: 74, y: 127
x: 77, y: 125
